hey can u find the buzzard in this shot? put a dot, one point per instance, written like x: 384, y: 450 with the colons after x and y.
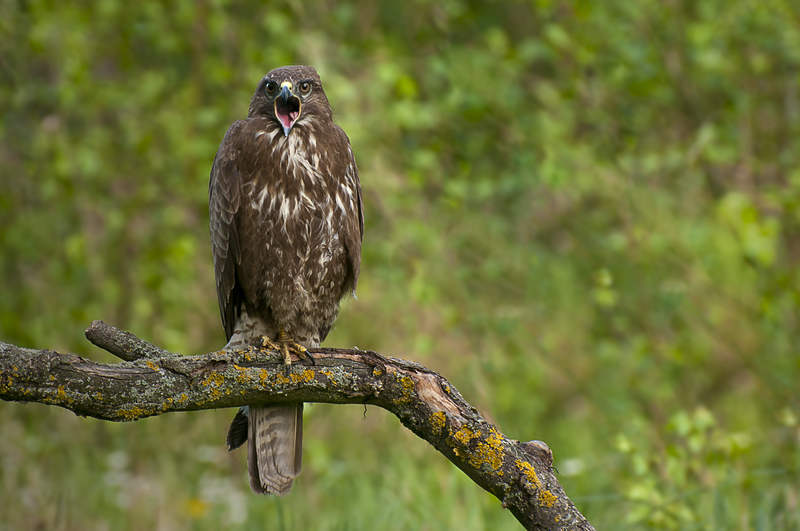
x: 286, y: 227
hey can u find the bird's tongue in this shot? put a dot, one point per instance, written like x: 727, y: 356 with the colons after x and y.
x: 288, y: 119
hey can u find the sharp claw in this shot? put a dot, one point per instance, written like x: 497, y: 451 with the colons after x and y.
x: 287, y: 358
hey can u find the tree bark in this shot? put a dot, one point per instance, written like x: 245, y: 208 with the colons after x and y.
x: 153, y: 381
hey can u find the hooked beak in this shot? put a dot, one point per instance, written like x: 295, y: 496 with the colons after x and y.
x: 287, y: 107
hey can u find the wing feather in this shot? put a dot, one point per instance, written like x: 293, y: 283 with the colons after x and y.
x: 224, y: 196
x: 354, y: 229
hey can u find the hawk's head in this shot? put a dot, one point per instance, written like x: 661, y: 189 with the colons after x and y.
x: 291, y: 96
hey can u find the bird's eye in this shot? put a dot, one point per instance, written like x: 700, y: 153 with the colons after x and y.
x: 305, y: 86
x: 271, y: 88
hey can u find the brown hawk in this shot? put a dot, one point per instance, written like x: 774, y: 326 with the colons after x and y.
x: 286, y: 228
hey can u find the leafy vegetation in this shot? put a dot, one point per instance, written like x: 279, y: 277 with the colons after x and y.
x: 586, y: 215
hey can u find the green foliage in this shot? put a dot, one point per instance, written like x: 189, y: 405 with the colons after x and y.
x: 586, y: 215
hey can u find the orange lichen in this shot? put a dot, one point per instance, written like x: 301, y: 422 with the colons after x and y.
x: 152, y: 365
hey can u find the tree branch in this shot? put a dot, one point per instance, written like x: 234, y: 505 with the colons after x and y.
x: 153, y: 381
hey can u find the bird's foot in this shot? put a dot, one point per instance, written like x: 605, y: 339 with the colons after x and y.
x: 287, y: 346
x: 269, y: 344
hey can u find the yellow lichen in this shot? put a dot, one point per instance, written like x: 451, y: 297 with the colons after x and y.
x: 152, y: 365
x: 530, y: 473
x: 213, y: 379
x: 5, y: 382
x: 438, y: 421
x: 408, y: 389
x: 484, y: 454
x: 376, y: 372
x: 213, y: 382
x: 546, y: 498
x: 304, y: 376
x: 465, y: 435
x: 296, y: 377
x: 183, y: 398
x: 61, y: 394
x: 132, y: 413
x: 242, y: 374
x: 489, y: 453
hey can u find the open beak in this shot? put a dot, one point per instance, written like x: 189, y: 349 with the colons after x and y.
x: 287, y: 107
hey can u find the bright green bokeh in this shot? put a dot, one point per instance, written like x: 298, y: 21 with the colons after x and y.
x: 586, y: 215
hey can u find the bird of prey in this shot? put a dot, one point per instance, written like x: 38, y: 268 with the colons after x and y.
x: 286, y: 227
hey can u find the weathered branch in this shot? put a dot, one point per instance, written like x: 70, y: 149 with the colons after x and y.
x: 122, y: 344
x: 155, y: 381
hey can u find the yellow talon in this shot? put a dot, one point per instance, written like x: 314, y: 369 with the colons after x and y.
x: 286, y: 345
x: 269, y: 344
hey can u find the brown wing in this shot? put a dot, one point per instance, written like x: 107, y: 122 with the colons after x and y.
x: 354, y: 230
x: 224, y: 192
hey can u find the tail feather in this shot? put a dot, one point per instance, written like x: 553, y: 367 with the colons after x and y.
x: 275, y: 447
x: 273, y: 432
x: 237, y: 433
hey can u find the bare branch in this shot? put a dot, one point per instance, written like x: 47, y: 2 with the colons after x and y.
x: 123, y: 345
x: 156, y: 382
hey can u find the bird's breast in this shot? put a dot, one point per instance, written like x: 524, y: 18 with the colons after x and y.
x: 296, y: 209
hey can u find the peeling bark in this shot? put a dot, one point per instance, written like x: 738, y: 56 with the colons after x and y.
x: 153, y: 381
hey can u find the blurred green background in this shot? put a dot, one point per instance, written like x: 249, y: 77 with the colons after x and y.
x: 586, y: 215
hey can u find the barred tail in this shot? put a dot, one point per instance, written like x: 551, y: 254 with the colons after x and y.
x: 275, y: 447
